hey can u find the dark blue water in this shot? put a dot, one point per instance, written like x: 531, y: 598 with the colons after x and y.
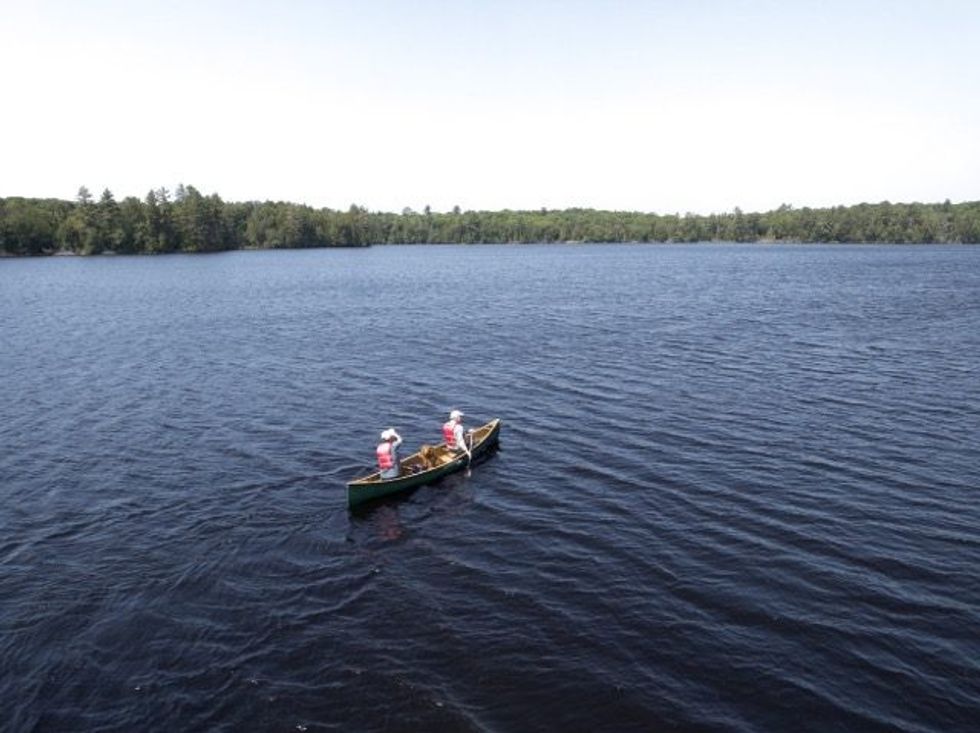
x: 737, y: 490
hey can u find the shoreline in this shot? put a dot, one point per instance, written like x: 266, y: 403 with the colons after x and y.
x: 565, y: 243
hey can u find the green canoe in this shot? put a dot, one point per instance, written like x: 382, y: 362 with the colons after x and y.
x: 424, y: 467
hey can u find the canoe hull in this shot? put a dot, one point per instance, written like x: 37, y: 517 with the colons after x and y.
x: 371, y: 487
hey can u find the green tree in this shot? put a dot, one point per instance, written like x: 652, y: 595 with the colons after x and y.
x: 108, y: 224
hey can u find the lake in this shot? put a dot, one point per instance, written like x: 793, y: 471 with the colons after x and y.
x: 736, y: 490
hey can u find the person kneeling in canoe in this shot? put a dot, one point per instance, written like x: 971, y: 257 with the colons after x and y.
x: 387, y: 453
x: 452, y: 433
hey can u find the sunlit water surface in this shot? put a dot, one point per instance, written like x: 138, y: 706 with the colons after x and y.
x: 737, y: 490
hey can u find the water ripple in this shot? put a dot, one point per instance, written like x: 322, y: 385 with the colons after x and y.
x: 735, y: 490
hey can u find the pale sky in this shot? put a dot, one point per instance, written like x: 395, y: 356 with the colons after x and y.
x: 651, y: 106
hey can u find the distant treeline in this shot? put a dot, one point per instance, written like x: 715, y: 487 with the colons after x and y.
x: 187, y: 221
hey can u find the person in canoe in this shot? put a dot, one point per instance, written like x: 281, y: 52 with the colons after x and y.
x: 387, y: 453
x: 452, y: 433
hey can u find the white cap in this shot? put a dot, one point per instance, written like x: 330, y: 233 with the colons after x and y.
x: 388, y: 434
x: 455, y: 415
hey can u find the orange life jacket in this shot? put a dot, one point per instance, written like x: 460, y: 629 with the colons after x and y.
x: 386, y: 458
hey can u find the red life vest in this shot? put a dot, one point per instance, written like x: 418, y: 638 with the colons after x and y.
x: 448, y: 434
x: 385, y: 458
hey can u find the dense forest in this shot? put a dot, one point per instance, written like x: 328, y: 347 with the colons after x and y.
x: 187, y: 221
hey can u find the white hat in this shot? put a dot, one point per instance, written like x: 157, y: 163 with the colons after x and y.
x: 388, y: 434
x: 455, y: 415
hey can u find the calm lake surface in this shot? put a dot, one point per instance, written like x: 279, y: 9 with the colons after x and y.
x: 738, y: 489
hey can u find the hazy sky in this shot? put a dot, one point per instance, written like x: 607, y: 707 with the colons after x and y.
x: 652, y: 106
